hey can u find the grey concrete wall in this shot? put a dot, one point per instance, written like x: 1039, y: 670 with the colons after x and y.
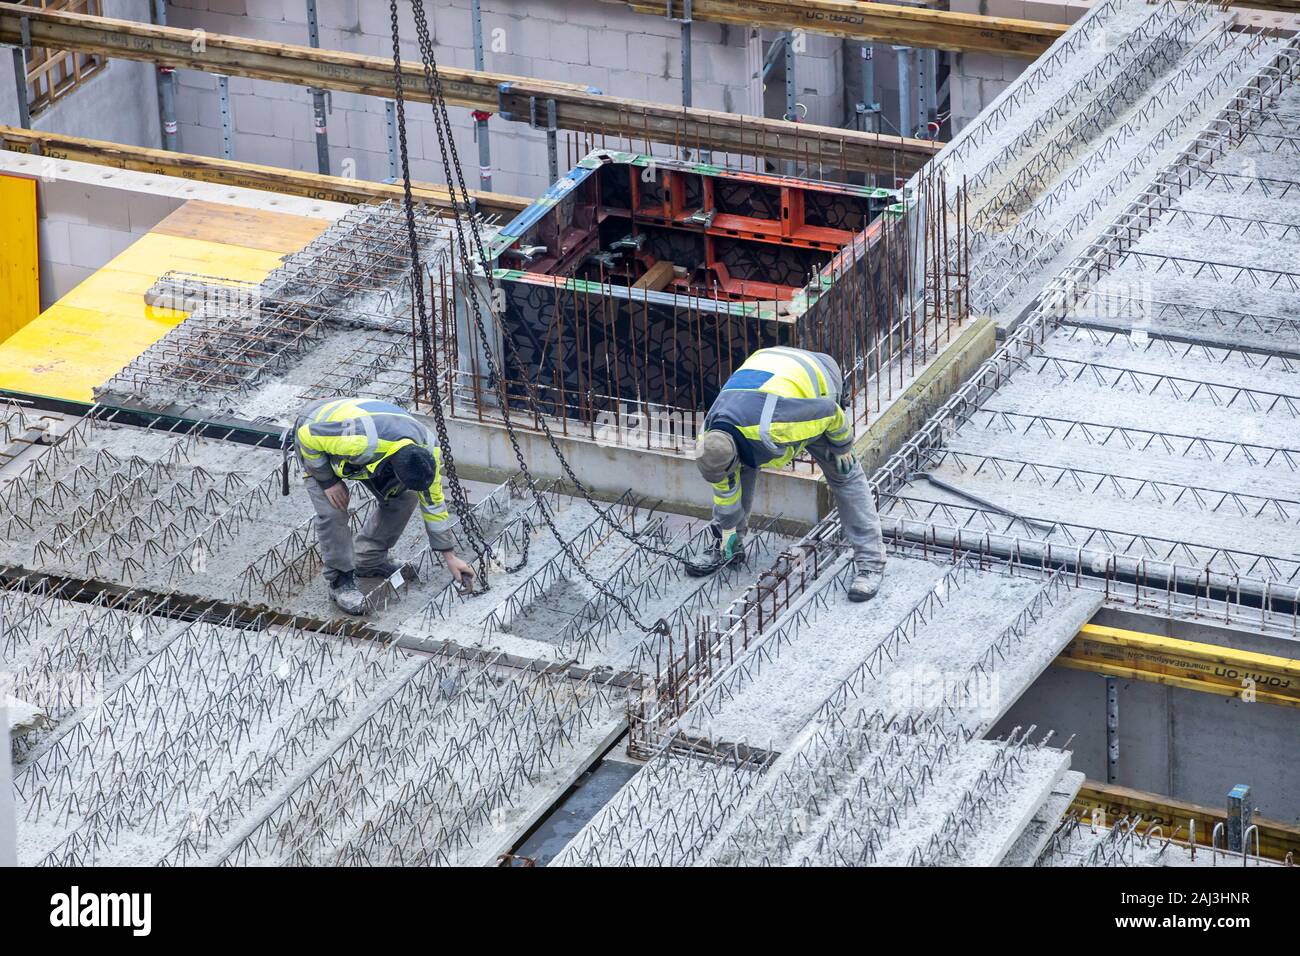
x: 576, y: 41
x: 119, y: 104
x: 83, y: 225
x: 484, y: 453
x: 1182, y: 743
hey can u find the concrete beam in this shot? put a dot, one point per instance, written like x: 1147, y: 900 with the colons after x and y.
x: 956, y: 363
x: 484, y: 453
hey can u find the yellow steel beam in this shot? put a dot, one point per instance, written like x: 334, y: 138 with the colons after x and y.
x: 1276, y: 839
x: 879, y: 22
x: 1177, y: 663
x: 230, y: 173
x: 576, y: 108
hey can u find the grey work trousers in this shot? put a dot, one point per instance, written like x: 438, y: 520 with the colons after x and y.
x: 379, y: 533
x: 853, y: 500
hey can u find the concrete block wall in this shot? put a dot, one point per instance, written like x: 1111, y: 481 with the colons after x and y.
x: 83, y: 225
x: 120, y: 103
x: 599, y: 44
x: 978, y: 78
x: 87, y: 215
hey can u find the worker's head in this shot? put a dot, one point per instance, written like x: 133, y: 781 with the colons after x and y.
x: 715, y: 455
x: 414, y: 467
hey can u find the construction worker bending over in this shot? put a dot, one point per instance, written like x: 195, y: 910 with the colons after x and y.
x: 781, y: 402
x: 390, y: 453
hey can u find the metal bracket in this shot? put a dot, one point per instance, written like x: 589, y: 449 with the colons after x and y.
x: 502, y: 90
x: 25, y: 33
x: 550, y: 126
x: 687, y: 11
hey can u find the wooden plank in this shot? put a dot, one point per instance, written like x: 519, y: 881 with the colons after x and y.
x: 289, y: 182
x: 1281, y: 6
x: 1276, y: 839
x: 878, y: 22
x: 656, y: 277
x: 20, y: 286
x: 576, y: 108
x: 237, y: 225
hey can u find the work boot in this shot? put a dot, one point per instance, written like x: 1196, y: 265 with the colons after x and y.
x: 386, y: 569
x: 717, y: 551
x: 346, y: 595
x: 865, y: 583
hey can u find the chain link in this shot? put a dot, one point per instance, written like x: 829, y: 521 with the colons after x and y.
x: 459, y: 195
x: 460, y: 500
x: 452, y: 165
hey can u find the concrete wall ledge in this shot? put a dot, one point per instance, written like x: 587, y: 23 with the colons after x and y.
x: 795, y: 502
x: 893, y: 427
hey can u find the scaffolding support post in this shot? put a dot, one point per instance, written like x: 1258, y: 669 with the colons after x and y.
x: 791, y: 90
x: 319, y: 108
x: 227, y: 126
x: 685, y: 18
x: 549, y: 124
x: 791, y: 94
x: 928, y: 87
x: 20, y: 76
x: 390, y: 124
x: 906, y: 114
x: 869, y: 109
x: 481, y: 134
x: 20, y: 82
x: 165, y: 77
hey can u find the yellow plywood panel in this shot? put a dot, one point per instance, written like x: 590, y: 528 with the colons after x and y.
x: 20, y: 296
x: 102, y: 324
x: 59, y: 354
x: 226, y: 259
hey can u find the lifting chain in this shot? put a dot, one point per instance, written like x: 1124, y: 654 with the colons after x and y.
x: 460, y: 199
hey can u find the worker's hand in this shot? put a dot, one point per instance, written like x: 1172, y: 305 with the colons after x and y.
x: 845, y: 461
x: 337, y: 495
x: 460, y: 570
x: 730, y: 544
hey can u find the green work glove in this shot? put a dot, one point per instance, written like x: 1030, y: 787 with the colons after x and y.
x: 845, y: 461
x: 731, y: 544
